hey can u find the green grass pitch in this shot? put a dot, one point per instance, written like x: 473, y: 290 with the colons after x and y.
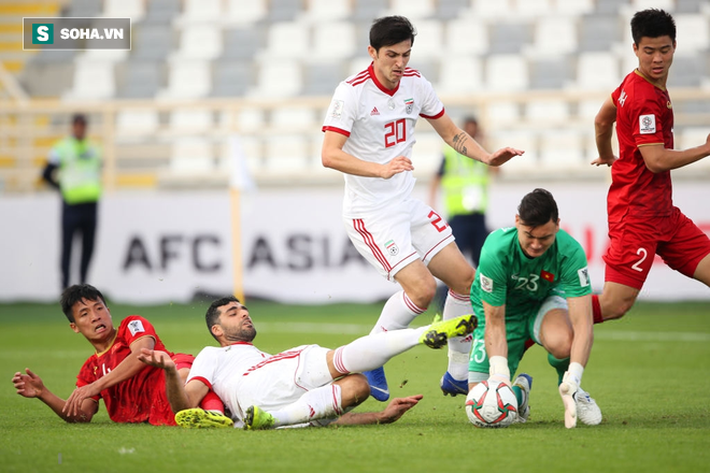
x: 649, y: 373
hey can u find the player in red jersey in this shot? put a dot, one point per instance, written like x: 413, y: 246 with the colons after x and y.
x: 643, y: 221
x: 132, y: 391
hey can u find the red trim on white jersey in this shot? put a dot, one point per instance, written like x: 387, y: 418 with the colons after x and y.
x: 202, y: 380
x: 409, y: 72
x: 335, y: 129
x: 433, y: 117
x: 272, y: 359
x: 436, y: 246
x: 369, y: 73
x: 360, y: 78
x: 359, y: 225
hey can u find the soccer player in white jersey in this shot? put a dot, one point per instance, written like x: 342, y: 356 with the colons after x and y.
x: 306, y: 385
x: 369, y: 134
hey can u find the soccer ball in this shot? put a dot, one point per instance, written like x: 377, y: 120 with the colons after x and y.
x: 491, y: 404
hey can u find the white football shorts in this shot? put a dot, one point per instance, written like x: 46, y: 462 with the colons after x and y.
x: 392, y: 238
x: 283, y: 378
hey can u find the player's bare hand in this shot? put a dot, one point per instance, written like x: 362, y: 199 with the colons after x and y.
x: 397, y: 165
x: 397, y: 407
x: 28, y: 384
x: 157, y: 358
x: 604, y: 160
x: 73, y: 405
x: 503, y: 155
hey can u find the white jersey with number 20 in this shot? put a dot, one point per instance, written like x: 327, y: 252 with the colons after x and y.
x: 379, y: 124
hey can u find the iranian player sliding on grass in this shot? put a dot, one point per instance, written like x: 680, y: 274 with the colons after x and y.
x: 307, y: 385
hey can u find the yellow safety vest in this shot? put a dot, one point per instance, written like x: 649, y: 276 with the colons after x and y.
x: 79, y: 170
x: 465, y: 184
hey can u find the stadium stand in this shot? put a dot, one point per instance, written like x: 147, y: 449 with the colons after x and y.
x: 264, y: 70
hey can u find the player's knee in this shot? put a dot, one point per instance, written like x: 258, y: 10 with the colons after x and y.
x: 424, y: 293
x: 561, y: 345
x: 354, y: 389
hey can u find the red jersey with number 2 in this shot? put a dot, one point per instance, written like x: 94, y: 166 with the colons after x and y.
x: 644, y: 116
x: 142, y: 397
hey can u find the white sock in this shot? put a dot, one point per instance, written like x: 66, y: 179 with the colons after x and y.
x: 459, y: 347
x: 319, y: 403
x: 372, y: 351
x: 398, y: 313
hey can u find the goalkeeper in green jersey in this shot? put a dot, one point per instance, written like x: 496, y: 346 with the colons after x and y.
x: 532, y: 283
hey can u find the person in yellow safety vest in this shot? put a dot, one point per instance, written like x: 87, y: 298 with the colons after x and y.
x: 464, y: 183
x: 74, y: 168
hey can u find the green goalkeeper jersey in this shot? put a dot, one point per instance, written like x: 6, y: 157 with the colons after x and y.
x: 506, y: 276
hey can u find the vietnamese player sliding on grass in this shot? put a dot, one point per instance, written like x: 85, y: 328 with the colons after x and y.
x: 132, y: 391
x: 306, y: 385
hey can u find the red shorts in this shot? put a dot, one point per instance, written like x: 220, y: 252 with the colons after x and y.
x: 183, y: 360
x: 635, y: 242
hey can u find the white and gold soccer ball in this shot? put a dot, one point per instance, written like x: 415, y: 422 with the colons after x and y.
x: 491, y: 404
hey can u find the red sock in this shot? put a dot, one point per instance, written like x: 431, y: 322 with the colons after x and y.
x: 212, y: 402
x: 596, y: 309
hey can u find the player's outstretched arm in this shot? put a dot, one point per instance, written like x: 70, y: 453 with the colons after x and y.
x: 496, y: 342
x: 464, y: 144
x: 396, y: 408
x: 658, y: 158
x: 603, y: 133
x: 180, y: 396
x: 30, y: 385
x: 333, y: 156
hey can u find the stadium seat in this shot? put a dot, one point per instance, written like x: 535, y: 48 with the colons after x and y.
x: 551, y: 73
x: 162, y: 11
x: 599, y: 32
x: 232, y: 78
x: 533, y: 8
x: 507, y: 73
x: 242, y: 43
x: 503, y: 113
x: 151, y: 41
x: 133, y: 9
x: 575, y: 8
x: 690, y: 6
x: 287, y: 40
x: 466, y: 37
x: 553, y: 35
x: 460, y: 75
x: 190, y: 156
x: 638, y: 5
x: 509, y: 37
x: 547, y: 112
x: 450, y: 9
x: 199, y: 41
x: 290, y: 118
x: 323, y: 11
x: 93, y: 80
x: 692, y: 34
x: 141, y: 79
x: 368, y: 10
x: 429, y: 40
x: 334, y: 40
x: 563, y: 150
x: 200, y: 11
x: 413, y: 9
x: 322, y: 78
x: 84, y: 9
x: 597, y: 70
x: 187, y: 80
x: 610, y: 7
x: 245, y: 12
x: 286, y: 154
x: 489, y: 10
x: 688, y: 71
x: 278, y: 79
x: 284, y: 10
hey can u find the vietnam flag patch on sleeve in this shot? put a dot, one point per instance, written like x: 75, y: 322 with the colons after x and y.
x: 547, y: 276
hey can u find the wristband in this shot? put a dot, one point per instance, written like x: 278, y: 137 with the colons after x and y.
x: 499, y: 367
